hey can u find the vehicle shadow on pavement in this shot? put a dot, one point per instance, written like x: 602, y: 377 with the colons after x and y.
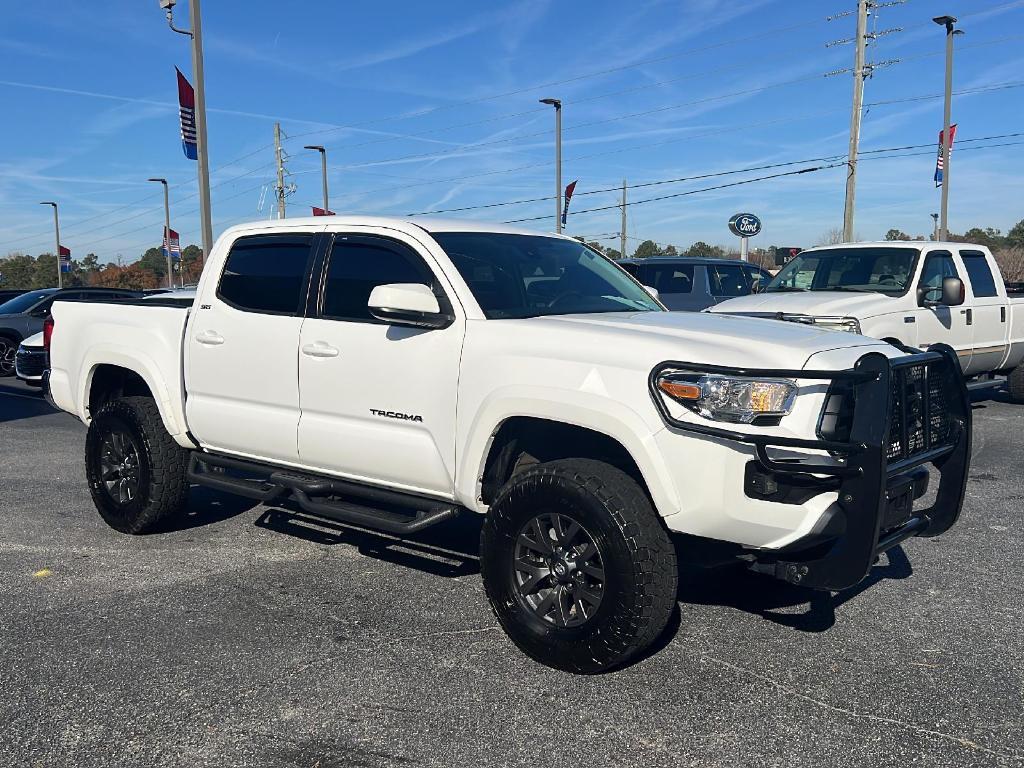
x: 449, y: 549
x: 24, y: 403
x: 207, y: 507
x: 774, y: 600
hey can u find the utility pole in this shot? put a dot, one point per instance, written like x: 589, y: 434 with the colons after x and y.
x: 855, y: 115
x: 323, y: 170
x: 280, y: 171
x: 947, y: 139
x: 56, y: 230
x: 622, y: 232
x: 557, y: 104
x: 167, y: 233
x: 202, y: 147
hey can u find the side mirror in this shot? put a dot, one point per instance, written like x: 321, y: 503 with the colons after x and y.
x: 653, y: 291
x: 953, y: 291
x: 408, y: 304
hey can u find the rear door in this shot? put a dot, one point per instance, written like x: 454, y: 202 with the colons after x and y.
x: 987, y: 313
x: 242, y: 369
x: 378, y: 400
x: 727, y: 281
x: 939, y: 324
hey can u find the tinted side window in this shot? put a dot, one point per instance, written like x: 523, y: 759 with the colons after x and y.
x: 358, y: 265
x: 936, y: 267
x: 727, y: 280
x: 266, y: 274
x: 981, y: 276
x: 631, y: 269
x: 669, y: 278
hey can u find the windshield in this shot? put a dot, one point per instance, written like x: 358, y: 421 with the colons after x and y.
x: 879, y: 270
x: 21, y: 303
x: 530, y: 275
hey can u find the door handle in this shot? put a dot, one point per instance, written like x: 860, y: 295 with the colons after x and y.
x: 320, y: 349
x: 210, y: 338
x: 970, y: 315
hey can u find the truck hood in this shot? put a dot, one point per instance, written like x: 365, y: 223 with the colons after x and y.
x: 818, y: 303
x: 696, y: 337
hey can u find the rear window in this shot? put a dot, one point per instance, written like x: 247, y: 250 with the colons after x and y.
x: 982, y: 282
x: 22, y: 303
x: 668, y: 278
x: 266, y: 274
x: 727, y: 280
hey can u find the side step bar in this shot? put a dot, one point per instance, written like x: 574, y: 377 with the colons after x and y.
x: 359, y: 505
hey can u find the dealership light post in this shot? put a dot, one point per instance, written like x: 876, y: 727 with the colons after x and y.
x: 557, y: 104
x: 202, y: 155
x: 947, y: 22
x: 56, y: 231
x: 323, y: 170
x: 167, y: 233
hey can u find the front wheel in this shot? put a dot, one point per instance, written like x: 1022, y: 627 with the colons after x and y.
x: 1015, y: 385
x: 8, y: 349
x: 136, y: 472
x: 577, y: 566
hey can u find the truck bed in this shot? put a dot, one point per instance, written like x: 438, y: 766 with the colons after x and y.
x: 144, y: 335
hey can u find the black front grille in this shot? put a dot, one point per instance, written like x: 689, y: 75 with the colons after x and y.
x: 920, y: 418
x: 30, y: 363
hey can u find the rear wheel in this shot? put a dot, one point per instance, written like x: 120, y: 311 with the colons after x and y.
x: 8, y: 349
x: 577, y: 566
x: 136, y: 472
x: 1015, y: 384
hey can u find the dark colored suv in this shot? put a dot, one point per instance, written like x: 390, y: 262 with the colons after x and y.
x: 23, y: 315
x: 693, y: 283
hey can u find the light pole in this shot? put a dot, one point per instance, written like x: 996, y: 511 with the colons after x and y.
x: 557, y: 104
x: 202, y: 155
x: 56, y: 231
x: 167, y: 233
x: 323, y: 170
x: 947, y: 22
x: 935, y: 227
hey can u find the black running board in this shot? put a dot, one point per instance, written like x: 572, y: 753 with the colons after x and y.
x: 358, y: 505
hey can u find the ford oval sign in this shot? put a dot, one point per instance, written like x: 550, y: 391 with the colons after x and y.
x: 744, y: 225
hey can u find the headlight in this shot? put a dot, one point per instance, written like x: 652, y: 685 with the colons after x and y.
x: 848, y: 324
x: 729, y: 398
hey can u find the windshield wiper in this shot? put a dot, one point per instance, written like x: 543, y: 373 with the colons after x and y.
x: 784, y: 289
x: 846, y: 288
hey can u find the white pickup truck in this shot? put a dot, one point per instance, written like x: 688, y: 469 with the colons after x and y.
x: 392, y: 374
x: 915, y: 294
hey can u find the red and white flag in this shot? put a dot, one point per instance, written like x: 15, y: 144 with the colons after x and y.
x: 568, y: 196
x: 938, y: 163
x: 321, y: 211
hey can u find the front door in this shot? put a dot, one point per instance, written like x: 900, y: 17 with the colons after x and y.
x: 241, y: 361
x: 378, y: 400
x: 939, y: 324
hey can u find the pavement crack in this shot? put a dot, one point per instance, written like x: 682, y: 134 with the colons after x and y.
x: 961, y: 740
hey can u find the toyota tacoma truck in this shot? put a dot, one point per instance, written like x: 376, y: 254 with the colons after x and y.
x: 392, y: 374
x: 912, y: 294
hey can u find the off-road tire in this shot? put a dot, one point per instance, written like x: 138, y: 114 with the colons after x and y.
x: 1015, y: 385
x: 8, y: 348
x: 162, y: 487
x: 639, y: 564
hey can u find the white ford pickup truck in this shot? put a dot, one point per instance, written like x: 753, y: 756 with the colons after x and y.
x: 392, y: 374
x: 915, y: 294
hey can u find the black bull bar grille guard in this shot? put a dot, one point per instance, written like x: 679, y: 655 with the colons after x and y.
x: 907, y: 412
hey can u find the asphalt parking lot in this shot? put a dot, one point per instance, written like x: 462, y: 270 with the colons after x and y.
x: 251, y: 636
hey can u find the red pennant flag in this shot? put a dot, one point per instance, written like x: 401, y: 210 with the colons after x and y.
x: 938, y: 162
x: 568, y: 196
x: 321, y: 211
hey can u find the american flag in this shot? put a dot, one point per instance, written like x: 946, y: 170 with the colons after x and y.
x: 64, y: 258
x: 187, y: 112
x: 171, y: 244
x: 938, y: 162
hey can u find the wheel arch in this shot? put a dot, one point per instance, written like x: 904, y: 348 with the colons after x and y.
x: 110, y: 377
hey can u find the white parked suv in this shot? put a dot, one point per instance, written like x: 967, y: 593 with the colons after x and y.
x: 914, y: 294
x: 393, y: 374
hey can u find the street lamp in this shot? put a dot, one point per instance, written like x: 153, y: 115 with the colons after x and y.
x: 947, y: 22
x: 202, y: 155
x: 167, y: 233
x: 56, y: 229
x: 935, y: 227
x: 323, y: 170
x: 557, y: 104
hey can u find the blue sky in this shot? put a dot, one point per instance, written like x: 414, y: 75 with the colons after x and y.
x: 430, y: 106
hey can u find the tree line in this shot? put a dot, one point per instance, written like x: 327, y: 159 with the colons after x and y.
x: 20, y: 270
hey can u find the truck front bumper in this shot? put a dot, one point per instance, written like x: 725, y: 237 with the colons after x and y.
x: 902, y: 415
